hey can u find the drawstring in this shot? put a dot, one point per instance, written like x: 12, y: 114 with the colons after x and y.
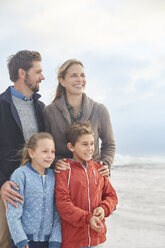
x: 95, y: 176
x: 69, y: 177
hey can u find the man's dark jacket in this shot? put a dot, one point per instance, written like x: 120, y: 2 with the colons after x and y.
x: 11, y: 133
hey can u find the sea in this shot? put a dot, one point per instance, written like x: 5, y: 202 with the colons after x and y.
x: 136, y: 160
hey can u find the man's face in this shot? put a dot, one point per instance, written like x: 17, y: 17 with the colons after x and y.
x: 34, y: 76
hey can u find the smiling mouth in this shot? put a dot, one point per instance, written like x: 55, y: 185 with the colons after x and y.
x: 78, y: 85
x: 49, y: 161
x: 89, y: 154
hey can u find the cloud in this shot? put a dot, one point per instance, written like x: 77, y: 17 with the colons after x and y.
x: 120, y: 42
x: 89, y: 25
x: 80, y: 26
x: 147, y: 81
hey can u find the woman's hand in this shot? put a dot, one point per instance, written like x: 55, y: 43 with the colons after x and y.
x: 104, y: 170
x: 61, y: 165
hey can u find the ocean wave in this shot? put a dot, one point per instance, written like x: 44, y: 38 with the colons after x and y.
x: 121, y: 160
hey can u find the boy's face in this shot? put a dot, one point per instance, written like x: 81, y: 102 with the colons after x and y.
x: 83, y: 149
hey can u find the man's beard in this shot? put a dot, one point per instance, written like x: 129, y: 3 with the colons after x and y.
x: 29, y: 84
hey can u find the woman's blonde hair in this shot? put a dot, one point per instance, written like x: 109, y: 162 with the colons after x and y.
x: 61, y: 74
x: 31, y: 143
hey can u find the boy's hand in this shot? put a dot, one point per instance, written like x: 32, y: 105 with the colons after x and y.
x: 99, y: 212
x: 104, y: 170
x: 61, y: 165
x: 96, y: 224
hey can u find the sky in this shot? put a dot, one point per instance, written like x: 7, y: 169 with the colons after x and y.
x: 122, y: 46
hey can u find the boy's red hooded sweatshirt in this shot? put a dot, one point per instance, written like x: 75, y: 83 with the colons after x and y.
x: 79, y: 191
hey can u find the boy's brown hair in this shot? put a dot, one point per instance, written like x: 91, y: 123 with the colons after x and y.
x: 76, y: 130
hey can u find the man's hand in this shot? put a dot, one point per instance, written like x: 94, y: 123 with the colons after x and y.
x: 8, y: 194
x: 95, y: 223
x: 61, y: 165
x: 104, y: 170
x: 99, y: 212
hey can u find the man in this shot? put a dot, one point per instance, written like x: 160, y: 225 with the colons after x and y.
x: 20, y: 117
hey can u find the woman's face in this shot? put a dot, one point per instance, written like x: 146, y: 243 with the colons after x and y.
x: 74, y: 81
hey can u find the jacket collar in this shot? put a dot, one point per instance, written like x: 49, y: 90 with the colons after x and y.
x: 8, y: 97
x: 87, y: 107
x: 88, y: 163
x: 31, y: 168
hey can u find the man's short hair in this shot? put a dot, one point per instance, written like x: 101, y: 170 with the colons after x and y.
x: 22, y: 59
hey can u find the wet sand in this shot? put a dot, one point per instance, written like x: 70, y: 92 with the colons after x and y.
x: 139, y: 221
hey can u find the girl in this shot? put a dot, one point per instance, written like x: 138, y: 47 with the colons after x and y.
x: 71, y: 105
x: 36, y: 222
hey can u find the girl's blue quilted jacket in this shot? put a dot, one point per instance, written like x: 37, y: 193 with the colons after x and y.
x: 37, y: 218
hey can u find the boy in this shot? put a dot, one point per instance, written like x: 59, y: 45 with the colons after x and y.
x: 83, y: 196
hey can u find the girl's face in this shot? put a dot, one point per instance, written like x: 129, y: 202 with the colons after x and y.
x: 83, y: 149
x: 74, y: 81
x: 43, y: 155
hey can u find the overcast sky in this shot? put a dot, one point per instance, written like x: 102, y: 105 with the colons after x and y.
x: 122, y: 46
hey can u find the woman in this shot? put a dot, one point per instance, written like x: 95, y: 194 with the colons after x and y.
x: 71, y: 105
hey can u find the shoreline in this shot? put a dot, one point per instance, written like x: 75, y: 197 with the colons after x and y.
x: 139, y: 220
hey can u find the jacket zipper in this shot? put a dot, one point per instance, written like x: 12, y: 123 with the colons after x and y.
x: 89, y: 204
x: 42, y: 211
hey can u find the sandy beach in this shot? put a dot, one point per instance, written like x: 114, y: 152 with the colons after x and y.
x: 139, y: 221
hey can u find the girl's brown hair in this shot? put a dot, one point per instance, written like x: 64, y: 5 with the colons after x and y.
x: 31, y: 143
x: 61, y: 74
